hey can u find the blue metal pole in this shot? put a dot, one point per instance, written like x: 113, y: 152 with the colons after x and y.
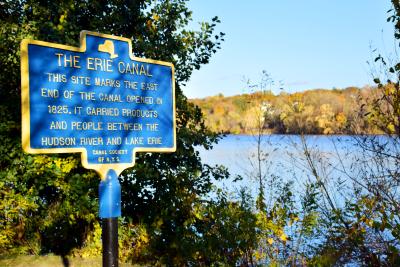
x: 110, y: 210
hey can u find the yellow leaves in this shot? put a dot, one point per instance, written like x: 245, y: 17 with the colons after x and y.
x: 62, y: 165
x: 144, y: 238
x: 197, y: 255
x: 254, y: 118
x: 369, y: 222
x: 259, y: 255
x: 62, y: 18
x: 158, y: 223
x: 283, y: 237
x: 15, y: 209
x: 316, y: 111
x: 133, y: 242
x: 62, y: 22
x: 370, y: 202
x: 326, y: 110
x: 68, y: 164
x: 198, y: 212
x: 325, y: 118
x: 155, y: 17
x: 42, y: 162
x: 340, y: 121
x: 390, y: 89
x: 149, y: 23
x: 327, y: 130
x: 341, y: 118
x: 219, y: 110
x: 273, y: 229
x: 283, y: 115
x: 40, y: 159
x: 93, y: 245
x: 391, y: 128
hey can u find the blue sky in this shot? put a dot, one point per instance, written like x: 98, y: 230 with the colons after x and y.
x: 305, y: 44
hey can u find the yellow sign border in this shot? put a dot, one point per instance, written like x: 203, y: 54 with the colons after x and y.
x: 102, y: 169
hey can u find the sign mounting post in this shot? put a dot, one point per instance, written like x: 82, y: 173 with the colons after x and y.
x: 101, y: 101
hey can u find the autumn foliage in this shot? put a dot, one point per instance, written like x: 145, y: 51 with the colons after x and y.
x: 318, y: 111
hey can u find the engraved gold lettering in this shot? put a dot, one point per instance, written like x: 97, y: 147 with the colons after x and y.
x: 154, y: 140
x: 52, y: 93
x: 153, y: 127
x: 110, y: 97
x: 99, y: 64
x: 99, y: 152
x: 102, y: 111
x: 91, y: 141
x: 134, y: 140
x: 130, y: 85
x: 149, y: 86
x: 56, y: 77
x: 58, y: 125
x: 80, y: 80
x: 86, y: 125
x: 122, y: 126
x: 68, y: 61
x: 58, y: 141
x: 88, y: 95
x: 148, y: 100
x: 134, y: 68
x: 107, y: 82
x: 138, y: 113
x: 114, y: 141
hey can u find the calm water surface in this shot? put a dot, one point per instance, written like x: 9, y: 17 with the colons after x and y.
x: 284, y: 157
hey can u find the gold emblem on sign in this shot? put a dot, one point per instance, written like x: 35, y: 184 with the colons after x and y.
x: 108, y: 47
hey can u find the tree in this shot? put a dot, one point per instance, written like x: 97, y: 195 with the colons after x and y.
x: 364, y: 228
x: 161, y: 189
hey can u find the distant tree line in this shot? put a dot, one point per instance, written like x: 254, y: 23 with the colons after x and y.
x: 318, y: 111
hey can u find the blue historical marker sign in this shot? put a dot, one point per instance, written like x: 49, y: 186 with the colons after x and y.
x: 98, y: 100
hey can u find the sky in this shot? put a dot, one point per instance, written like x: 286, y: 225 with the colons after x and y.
x: 303, y: 45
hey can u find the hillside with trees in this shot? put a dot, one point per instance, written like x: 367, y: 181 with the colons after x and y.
x: 318, y: 111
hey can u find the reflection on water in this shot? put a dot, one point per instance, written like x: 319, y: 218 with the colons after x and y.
x: 282, y: 155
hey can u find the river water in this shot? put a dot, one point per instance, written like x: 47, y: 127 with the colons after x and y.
x: 283, y: 156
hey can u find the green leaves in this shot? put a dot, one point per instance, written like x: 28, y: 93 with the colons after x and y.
x: 62, y: 197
